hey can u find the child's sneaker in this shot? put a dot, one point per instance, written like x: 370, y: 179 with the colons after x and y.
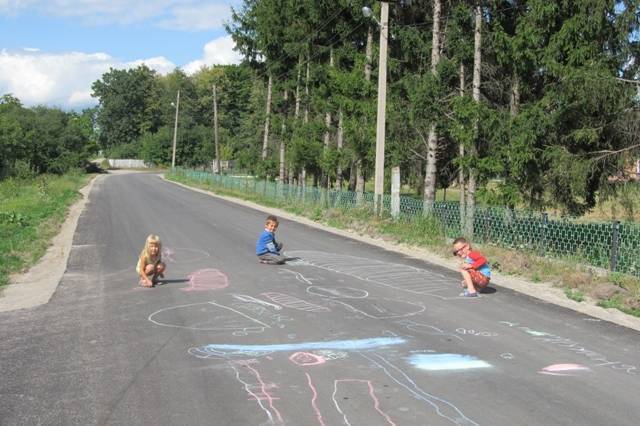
x: 466, y: 293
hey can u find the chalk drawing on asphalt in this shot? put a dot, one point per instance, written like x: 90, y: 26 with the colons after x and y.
x: 338, y: 292
x: 598, y: 359
x: 427, y: 329
x: 472, y: 332
x: 183, y: 255
x: 207, y: 316
x: 229, y: 351
x: 294, y: 303
x: 314, y: 398
x: 299, y: 277
x: 353, y: 388
x: 257, y: 389
x: 382, y: 308
x: 250, y: 299
x: 305, y: 359
x: 441, y: 407
x: 440, y: 362
x: 563, y: 369
x: 205, y: 280
x: 394, y: 275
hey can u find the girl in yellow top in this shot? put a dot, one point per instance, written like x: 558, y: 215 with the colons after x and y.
x: 150, y: 262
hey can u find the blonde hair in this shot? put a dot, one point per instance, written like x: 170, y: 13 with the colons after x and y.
x: 151, y: 239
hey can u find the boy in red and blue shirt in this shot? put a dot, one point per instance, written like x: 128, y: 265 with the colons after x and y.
x: 475, y: 269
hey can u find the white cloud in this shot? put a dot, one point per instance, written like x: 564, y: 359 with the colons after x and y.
x: 216, y: 52
x: 197, y: 17
x: 61, y: 79
x: 191, y: 15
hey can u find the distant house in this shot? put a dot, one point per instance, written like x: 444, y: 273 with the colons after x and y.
x: 225, y: 165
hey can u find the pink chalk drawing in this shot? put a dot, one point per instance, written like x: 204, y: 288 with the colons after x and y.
x: 205, y: 280
x: 313, y: 400
x: 376, y: 402
x: 295, y: 303
x: 305, y: 359
x: 262, y: 390
x: 563, y: 369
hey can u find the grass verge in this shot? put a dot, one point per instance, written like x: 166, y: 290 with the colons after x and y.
x: 31, y: 214
x: 580, y: 283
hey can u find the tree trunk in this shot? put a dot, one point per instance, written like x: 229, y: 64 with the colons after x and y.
x: 359, y: 162
x: 514, y: 101
x: 327, y: 132
x: 369, y: 54
x: 462, y: 210
x: 215, y: 129
x: 431, y: 170
x: 297, y: 110
x: 477, y: 66
x: 282, y: 137
x: 265, y: 140
x: 340, y: 140
x: 306, y: 90
x: 352, y: 175
x: 303, y: 173
x: 359, y: 179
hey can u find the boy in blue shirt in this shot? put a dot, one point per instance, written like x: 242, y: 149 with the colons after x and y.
x: 267, y: 249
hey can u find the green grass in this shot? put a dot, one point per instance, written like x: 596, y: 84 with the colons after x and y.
x: 31, y: 214
x: 574, y: 294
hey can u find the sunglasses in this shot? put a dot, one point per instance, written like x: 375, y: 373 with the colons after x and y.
x: 457, y: 252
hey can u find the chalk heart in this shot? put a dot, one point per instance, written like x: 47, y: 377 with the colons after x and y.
x: 306, y: 359
x: 206, y: 279
x: 563, y: 369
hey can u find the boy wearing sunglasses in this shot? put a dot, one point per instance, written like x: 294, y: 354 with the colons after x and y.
x: 475, y: 269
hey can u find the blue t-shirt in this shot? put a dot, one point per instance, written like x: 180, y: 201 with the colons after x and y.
x: 266, y: 243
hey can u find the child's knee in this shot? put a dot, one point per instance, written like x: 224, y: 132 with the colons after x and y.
x: 148, y: 269
x: 160, y: 268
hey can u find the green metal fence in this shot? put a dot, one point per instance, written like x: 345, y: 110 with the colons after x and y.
x: 612, y: 246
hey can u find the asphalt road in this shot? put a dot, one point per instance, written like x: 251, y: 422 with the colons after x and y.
x: 347, y: 334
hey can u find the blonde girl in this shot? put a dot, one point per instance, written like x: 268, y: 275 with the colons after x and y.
x: 150, y: 262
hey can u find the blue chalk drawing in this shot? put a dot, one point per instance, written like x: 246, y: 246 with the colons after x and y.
x: 435, y: 362
x: 353, y: 345
x: 226, y: 351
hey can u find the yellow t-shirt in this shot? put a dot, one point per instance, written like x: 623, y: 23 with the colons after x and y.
x: 147, y: 261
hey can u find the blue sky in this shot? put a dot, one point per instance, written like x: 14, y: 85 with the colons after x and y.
x: 52, y: 50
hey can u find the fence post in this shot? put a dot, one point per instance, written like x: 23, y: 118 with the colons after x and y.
x: 543, y: 236
x: 395, y: 192
x: 615, y: 243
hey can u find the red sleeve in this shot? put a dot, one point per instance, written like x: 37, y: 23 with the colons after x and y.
x: 478, y: 259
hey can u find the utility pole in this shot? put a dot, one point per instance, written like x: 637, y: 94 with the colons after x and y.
x: 175, y: 131
x: 215, y: 129
x: 382, y: 103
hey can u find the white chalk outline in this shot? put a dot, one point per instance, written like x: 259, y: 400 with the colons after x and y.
x: 417, y: 391
x: 244, y: 329
x: 250, y: 299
